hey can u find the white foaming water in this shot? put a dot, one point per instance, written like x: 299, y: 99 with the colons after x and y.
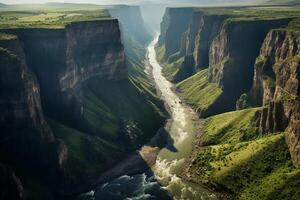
x: 182, y: 130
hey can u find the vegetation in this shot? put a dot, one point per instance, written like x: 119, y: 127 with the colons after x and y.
x: 236, y: 158
x: 48, y: 19
x: 118, y: 116
x: 198, y: 91
x: 4, y: 36
x: 86, y: 153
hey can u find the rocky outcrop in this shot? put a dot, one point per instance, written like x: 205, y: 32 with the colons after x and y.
x: 230, y: 63
x: 203, y: 28
x: 276, y: 86
x: 189, y: 38
x: 278, y: 46
x: 210, y: 27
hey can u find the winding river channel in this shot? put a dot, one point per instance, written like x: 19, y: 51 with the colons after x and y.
x: 162, y: 181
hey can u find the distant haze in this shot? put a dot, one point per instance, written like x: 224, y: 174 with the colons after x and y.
x: 132, y: 1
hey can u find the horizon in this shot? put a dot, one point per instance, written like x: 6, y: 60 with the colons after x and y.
x: 105, y: 2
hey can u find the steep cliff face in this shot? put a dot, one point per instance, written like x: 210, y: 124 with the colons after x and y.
x: 69, y: 104
x: 175, y: 23
x: 278, y: 46
x: 210, y: 27
x: 189, y: 37
x: 43, y: 72
x: 25, y: 134
x: 230, y: 63
x: 45, y: 55
x: 21, y: 105
x: 276, y: 86
x: 93, y: 49
x: 63, y: 59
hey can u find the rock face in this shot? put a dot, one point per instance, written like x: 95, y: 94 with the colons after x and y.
x: 175, y: 23
x: 217, y: 41
x: 25, y: 134
x: 42, y: 72
x: 230, y: 63
x: 74, y: 54
x: 21, y: 105
x: 276, y: 86
x: 197, y: 39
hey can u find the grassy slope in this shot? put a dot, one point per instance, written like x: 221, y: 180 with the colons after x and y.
x: 248, y: 165
x: 198, y: 92
x: 169, y: 70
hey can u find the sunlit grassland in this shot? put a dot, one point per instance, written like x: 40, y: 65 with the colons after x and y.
x: 48, y: 19
x: 198, y: 92
x: 235, y: 156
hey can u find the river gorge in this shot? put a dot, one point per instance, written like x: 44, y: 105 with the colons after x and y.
x: 163, y: 181
x: 155, y: 101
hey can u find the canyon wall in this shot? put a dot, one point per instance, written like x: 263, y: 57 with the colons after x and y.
x: 230, y: 63
x: 25, y: 134
x: 68, y: 103
x: 42, y: 76
x: 173, y: 27
x: 216, y: 41
x: 276, y: 86
x: 77, y: 53
x: 254, y: 60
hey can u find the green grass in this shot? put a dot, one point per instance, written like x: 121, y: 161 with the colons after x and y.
x: 4, y: 36
x: 198, y: 92
x: 160, y: 52
x: 86, y: 153
x: 48, y: 19
x: 170, y: 71
x: 235, y: 158
x: 110, y: 106
x: 128, y: 106
x: 229, y: 127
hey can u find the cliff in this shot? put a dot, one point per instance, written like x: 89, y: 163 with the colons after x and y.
x: 69, y: 103
x: 213, y: 40
x: 76, y: 54
x: 175, y: 23
x: 25, y: 134
x: 253, y: 65
x: 230, y: 63
x: 35, y: 66
x: 276, y: 86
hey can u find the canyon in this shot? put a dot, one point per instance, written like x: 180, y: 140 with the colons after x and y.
x: 94, y: 105
x: 68, y: 94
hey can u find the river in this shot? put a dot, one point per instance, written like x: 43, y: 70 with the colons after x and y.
x: 162, y: 181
